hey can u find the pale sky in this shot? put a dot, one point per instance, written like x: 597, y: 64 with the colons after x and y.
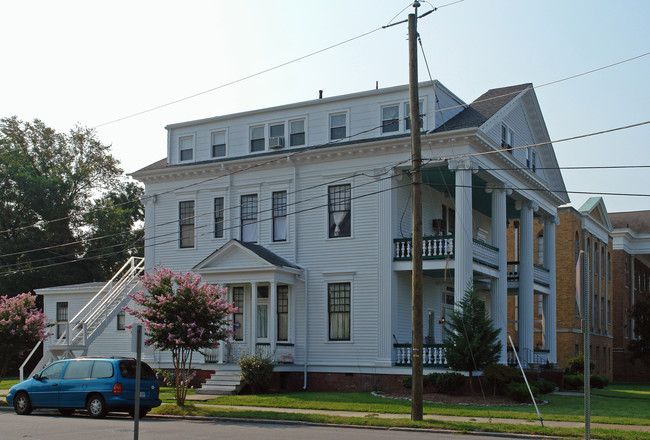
x: 91, y: 62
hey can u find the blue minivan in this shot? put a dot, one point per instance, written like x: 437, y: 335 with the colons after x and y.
x: 98, y: 384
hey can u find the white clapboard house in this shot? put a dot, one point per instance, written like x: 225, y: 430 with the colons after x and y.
x: 303, y: 211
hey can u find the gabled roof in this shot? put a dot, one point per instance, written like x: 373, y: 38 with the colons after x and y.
x: 239, y: 255
x: 595, y: 208
x: 483, y: 108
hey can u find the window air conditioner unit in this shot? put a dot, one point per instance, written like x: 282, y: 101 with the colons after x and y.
x: 276, y: 142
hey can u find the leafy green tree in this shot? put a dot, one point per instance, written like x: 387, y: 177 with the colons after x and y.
x: 47, y: 181
x: 471, y: 341
x: 640, y: 346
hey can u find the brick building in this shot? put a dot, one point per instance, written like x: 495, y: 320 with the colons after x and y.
x: 631, y: 273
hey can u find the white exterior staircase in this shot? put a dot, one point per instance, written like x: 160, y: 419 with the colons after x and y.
x: 93, y: 318
x: 226, y: 380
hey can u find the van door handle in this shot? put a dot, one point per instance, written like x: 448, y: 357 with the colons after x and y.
x: 55, y: 384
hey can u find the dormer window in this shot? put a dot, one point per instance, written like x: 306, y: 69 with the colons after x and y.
x: 338, y: 126
x: 390, y: 119
x: 186, y: 148
x: 258, y: 142
x: 297, y: 132
x: 507, y: 137
x: 219, y: 144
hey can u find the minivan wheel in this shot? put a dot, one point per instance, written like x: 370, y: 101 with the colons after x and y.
x: 22, y: 404
x: 96, y: 406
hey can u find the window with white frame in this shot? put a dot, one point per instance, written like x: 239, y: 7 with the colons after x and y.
x: 531, y: 161
x: 279, y: 212
x: 186, y: 221
x: 338, y: 126
x: 219, y: 144
x: 61, y: 319
x: 297, y: 132
x: 258, y: 142
x: 249, y: 218
x: 390, y: 118
x: 407, y: 116
x: 218, y: 217
x: 339, y: 210
x: 238, y: 316
x: 276, y: 135
x: 507, y: 137
x: 338, y: 308
x: 283, y: 312
x: 186, y: 148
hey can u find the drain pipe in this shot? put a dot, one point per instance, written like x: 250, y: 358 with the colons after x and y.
x: 304, y: 384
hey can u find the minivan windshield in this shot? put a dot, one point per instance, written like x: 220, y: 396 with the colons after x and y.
x: 127, y: 370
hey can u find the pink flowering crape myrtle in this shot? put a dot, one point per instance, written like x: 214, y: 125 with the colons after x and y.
x: 183, y: 315
x: 22, y: 325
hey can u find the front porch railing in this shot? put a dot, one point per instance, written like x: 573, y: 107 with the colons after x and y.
x: 485, y: 254
x: 433, y: 355
x: 432, y: 247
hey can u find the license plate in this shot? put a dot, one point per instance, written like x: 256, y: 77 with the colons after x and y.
x: 143, y: 394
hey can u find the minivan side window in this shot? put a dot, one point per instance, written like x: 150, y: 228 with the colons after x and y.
x: 102, y: 370
x: 53, y: 371
x: 127, y: 370
x: 78, y: 370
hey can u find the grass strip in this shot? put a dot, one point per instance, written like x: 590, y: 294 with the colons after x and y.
x: 570, y: 433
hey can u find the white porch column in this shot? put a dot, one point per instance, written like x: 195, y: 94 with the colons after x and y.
x: 499, y: 292
x: 463, y: 246
x: 253, y: 319
x: 273, y: 315
x: 550, y: 305
x: 526, y: 287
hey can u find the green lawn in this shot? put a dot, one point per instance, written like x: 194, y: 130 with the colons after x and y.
x: 604, y: 408
x: 5, y: 384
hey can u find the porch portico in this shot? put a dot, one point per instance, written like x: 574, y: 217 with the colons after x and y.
x: 262, y: 285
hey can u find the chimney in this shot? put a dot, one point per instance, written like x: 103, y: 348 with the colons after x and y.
x: 320, y: 94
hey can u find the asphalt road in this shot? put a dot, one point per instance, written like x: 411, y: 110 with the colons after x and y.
x: 48, y: 426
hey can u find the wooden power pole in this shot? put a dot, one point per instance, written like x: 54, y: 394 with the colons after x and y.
x: 416, y: 240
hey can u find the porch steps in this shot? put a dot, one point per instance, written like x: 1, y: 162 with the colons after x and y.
x: 226, y: 380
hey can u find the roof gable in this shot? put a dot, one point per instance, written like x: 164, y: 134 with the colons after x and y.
x: 236, y: 255
x: 595, y: 208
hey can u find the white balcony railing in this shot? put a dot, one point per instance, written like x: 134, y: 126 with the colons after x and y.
x: 432, y: 355
x: 432, y: 247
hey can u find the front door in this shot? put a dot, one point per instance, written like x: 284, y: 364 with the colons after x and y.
x: 262, y: 330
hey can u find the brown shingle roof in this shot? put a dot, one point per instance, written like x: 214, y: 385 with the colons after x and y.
x: 638, y: 221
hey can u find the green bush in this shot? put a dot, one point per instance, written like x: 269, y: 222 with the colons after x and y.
x: 449, y: 382
x: 407, y: 382
x: 573, y: 381
x: 429, y: 379
x: 256, y: 371
x: 519, y: 391
x: 576, y: 365
x: 498, y: 376
x: 596, y: 381
x: 544, y: 386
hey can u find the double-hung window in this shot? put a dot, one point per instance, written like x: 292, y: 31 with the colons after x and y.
x: 186, y: 220
x: 279, y: 211
x: 61, y: 319
x: 218, y: 217
x: 407, y: 116
x: 238, y: 316
x: 186, y: 148
x: 338, y: 308
x: 339, y: 210
x: 297, y: 133
x: 390, y: 119
x: 249, y: 218
x: 507, y: 137
x: 338, y: 126
x: 276, y: 135
x: 258, y: 142
x: 121, y: 320
x: 283, y: 312
x: 219, y: 144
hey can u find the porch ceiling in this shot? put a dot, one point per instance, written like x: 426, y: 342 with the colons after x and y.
x: 443, y: 180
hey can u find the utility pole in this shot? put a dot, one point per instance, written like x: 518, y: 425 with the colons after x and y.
x: 416, y: 240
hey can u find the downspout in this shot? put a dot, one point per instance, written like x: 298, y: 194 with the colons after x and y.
x: 304, y: 384
x: 306, y: 275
